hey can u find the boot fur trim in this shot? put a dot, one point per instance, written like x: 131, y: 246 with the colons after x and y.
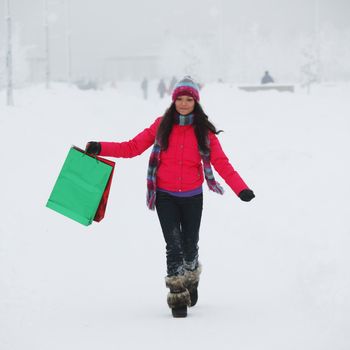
x: 176, y: 300
x: 192, y: 277
x: 179, y: 295
x: 175, y: 283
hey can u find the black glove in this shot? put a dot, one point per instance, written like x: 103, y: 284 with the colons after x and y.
x: 93, y: 147
x: 246, y: 195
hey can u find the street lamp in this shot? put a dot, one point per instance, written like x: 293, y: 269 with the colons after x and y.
x: 9, y: 85
x: 217, y: 12
x: 47, y: 48
x: 69, y: 46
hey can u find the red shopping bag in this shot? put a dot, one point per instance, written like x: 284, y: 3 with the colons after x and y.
x: 100, y: 213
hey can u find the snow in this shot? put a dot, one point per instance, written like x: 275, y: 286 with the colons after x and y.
x: 275, y: 270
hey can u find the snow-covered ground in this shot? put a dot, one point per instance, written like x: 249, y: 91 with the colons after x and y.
x: 275, y: 270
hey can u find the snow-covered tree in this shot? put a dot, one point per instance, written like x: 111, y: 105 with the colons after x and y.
x: 310, y: 66
x: 325, y: 58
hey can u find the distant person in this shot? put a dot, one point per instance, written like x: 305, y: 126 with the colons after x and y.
x: 144, y: 87
x: 267, y: 78
x: 185, y: 150
x: 172, y: 84
x: 161, y: 88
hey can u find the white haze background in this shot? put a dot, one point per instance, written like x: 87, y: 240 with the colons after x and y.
x: 275, y: 270
x: 210, y: 39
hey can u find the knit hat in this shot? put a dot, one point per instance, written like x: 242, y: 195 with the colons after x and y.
x: 187, y: 87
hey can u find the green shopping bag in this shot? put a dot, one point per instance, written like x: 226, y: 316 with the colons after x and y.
x: 80, y: 185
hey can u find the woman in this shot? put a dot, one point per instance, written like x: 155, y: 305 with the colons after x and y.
x: 184, y: 147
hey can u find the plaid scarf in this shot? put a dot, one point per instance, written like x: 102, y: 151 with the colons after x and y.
x: 154, y: 161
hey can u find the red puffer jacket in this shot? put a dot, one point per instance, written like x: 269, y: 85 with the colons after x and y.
x: 180, y: 167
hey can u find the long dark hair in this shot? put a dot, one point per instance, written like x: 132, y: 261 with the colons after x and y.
x: 201, y: 125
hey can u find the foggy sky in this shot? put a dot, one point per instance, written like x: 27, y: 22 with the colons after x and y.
x: 107, y: 28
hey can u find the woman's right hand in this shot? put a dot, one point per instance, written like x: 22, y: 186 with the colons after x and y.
x: 93, y: 147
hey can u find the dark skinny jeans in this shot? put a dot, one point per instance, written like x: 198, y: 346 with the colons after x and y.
x: 180, y: 219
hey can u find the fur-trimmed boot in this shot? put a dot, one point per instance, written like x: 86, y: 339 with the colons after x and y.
x: 191, y: 283
x: 179, y: 297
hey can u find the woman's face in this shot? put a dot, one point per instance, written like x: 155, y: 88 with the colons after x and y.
x: 184, y: 105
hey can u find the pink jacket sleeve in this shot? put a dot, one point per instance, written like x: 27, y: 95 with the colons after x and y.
x: 222, y: 165
x: 133, y: 147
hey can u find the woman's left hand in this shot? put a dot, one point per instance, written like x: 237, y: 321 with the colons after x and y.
x: 246, y: 195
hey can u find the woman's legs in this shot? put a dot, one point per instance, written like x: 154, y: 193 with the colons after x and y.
x: 180, y: 219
